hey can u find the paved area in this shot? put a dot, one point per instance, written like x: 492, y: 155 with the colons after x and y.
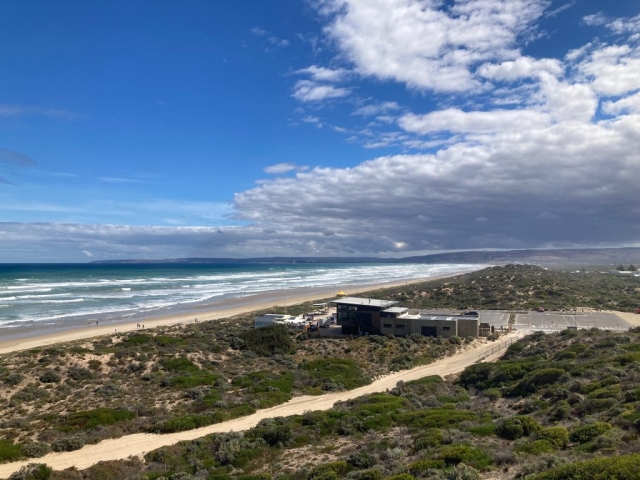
x: 560, y: 321
x: 497, y: 318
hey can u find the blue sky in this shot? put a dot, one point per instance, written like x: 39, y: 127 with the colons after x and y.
x: 325, y: 127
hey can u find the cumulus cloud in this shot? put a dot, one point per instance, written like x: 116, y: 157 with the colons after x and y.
x: 426, y: 46
x: 322, y: 74
x: 376, y: 109
x: 280, y: 168
x: 310, y: 91
x: 531, y: 150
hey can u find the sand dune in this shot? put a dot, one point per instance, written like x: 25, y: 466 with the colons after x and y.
x: 139, y: 444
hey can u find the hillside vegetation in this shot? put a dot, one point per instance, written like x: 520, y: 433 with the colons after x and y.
x: 562, y: 406
x: 521, y: 287
x: 179, y: 378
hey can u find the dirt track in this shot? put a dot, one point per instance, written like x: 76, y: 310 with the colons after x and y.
x: 141, y: 443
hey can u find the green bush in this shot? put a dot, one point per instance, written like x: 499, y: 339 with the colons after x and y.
x: 49, y: 376
x: 588, y: 432
x: 625, y: 467
x: 423, y: 466
x: 455, y: 454
x: 35, y: 449
x: 435, y: 418
x: 185, y: 422
x: 517, y: 427
x: 429, y: 439
x: 329, y: 471
x: 33, y: 471
x: 68, y: 444
x: 9, y: 451
x: 341, y: 371
x: 92, y: 418
x: 269, y: 340
x: 556, y: 436
x: 78, y: 374
x: 532, y: 381
x: 537, y: 447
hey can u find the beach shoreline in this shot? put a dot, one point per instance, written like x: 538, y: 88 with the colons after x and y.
x: 31, y: 338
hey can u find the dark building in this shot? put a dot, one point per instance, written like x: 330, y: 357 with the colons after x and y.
x: 362, y: 315
x: 382, y: 317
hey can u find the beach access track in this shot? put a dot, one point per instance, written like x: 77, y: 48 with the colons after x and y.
x: 141, y: 443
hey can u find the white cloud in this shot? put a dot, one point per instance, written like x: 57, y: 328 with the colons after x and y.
x: 376, y: 109
x: 32, y: 111
x: 458, y: 121
x: 560, y: 9
x: 280, y: 168
x: 630, y: 104
x: 387, y: 39
x: 595, y: 19
x: 613, y: 70
x: 310, y: 91
x: 87, y: 253
x: 321, y: 74
x: 523, y: 67
x: 272, y: 39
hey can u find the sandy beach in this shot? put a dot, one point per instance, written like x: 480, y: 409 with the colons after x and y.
x: 32, y: 338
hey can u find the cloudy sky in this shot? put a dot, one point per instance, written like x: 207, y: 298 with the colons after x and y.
x: 163, y: 129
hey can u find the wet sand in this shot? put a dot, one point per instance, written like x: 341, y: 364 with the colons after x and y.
x: 34, y: 337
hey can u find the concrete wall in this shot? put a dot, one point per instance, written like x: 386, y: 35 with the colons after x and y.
x: 468, y: 327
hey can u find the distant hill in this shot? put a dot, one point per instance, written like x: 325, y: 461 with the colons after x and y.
x: 591, y: 256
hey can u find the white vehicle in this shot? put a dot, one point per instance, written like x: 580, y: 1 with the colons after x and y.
x: 324, y: 322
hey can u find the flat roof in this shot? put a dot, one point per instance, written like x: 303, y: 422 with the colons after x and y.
x: 395, y: 309
x: 440, y: 318
x: 364, y: 301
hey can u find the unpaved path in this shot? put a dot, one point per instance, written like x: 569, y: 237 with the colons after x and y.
x: 140, y: 443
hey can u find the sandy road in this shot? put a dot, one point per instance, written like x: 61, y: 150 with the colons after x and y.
x: 141, y: 443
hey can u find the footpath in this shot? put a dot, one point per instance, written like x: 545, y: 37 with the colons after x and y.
x: 141, y: 443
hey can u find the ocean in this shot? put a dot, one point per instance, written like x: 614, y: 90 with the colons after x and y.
x: 61, y: 294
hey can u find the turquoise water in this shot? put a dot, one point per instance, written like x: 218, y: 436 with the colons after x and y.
x: 39, y: 295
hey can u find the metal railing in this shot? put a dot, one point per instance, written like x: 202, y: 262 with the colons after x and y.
x: 497, y: 348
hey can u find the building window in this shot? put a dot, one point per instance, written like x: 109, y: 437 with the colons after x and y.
x: 387, y: 325
x: 446, y: 329
x: 400, y: 325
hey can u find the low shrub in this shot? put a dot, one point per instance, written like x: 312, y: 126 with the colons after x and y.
x: 556, y: 436
x: 33, y: 471
x: 35, y: 449
x: 9, y: 451
x: 269, y: 340
x: 621, y: 468
x: 455, y: 454
x: 430, y: 439
x: 78, y: 374
x: 49, y: 376
x: 92, y: 418
x: 329, y: 471
x: 340, y: 371
x: 517, y: 427
x: 588, y: 432
x: 537, y: 447
x: 68, y: 444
